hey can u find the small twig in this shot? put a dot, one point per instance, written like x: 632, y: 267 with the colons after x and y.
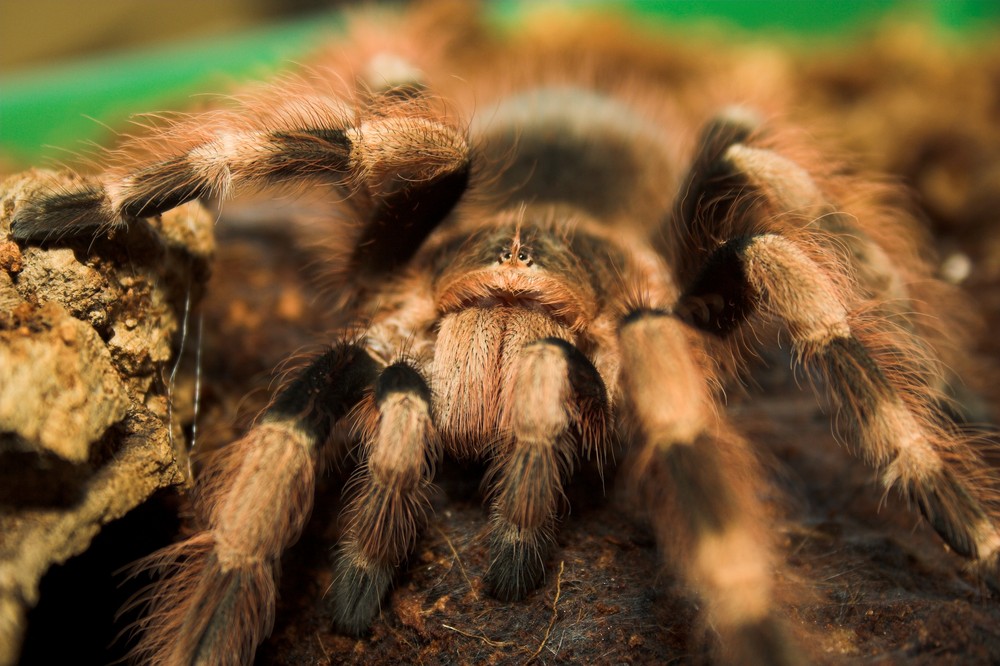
x: 179, y: 451
x: 326, y: 655
x: 555, y: 613
x: 458, y: 560
x: 484, y: 639
x: 842, y: 573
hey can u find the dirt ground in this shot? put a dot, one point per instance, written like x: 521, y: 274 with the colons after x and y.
x: 873, y: 584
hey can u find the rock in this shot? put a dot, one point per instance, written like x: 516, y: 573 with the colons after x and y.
x: 88, y: 331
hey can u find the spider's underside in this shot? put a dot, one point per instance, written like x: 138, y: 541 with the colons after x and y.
x: 568, y: 269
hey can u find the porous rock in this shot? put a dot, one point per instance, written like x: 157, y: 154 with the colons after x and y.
x: 88, y: 331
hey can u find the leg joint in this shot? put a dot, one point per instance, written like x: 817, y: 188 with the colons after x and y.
x: 401, y: 378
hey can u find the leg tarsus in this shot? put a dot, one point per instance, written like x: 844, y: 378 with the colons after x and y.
x: 764, y: 643
x: 517, y: 560
x: 356, y: 595
x: 59, y: 215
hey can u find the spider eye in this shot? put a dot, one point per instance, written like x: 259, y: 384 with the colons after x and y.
x: 507, y: 255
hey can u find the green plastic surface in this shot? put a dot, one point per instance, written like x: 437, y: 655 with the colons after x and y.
x: 45, y: 112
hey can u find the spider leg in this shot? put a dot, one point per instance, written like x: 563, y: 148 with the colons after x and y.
x: 894, y: 427
x: 732, y: 184
x: 696, y: 481
x: 402, y: 166
x: 215, y: 601
x: 896, y: 287
x: 391, y: 503
x: 557, y: 404
x: 883, y: 380
x: 736, y: 189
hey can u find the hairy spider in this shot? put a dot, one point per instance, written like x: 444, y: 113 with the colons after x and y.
x: 534, y: 258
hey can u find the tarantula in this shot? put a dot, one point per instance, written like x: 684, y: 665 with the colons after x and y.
x: 524, y: 275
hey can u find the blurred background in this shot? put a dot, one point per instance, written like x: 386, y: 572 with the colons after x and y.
x: 70, y: 69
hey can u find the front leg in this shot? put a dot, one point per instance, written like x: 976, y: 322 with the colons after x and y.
x: 556, y: 405
x: 400, y: 165
x: 390, y: 504
x: 214, y: 602
x: 698, y: 483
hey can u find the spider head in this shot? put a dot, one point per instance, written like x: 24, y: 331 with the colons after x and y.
x: 517, y: 262
x: 514, y: 255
